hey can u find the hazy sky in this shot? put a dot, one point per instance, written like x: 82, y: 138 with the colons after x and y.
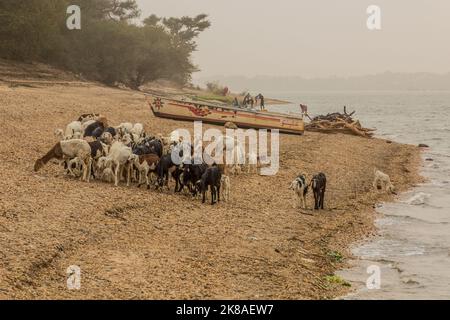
x: 315, y: 38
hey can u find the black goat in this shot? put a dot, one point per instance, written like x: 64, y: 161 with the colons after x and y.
x: 192, y: 173
x: 97, y: 132
x: 149, y: 147
x: 211, y: 178
x: 163, y: 168
x: 88, y: 132
x: 319, y: 185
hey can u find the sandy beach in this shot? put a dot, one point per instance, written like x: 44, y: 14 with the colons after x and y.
x: 132, y: 243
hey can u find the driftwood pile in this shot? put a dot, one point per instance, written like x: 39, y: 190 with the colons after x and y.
x: 339, y: 122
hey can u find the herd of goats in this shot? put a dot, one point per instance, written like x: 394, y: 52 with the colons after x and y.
x: 89, y: 148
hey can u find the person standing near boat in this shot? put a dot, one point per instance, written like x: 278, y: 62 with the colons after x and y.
x: 260, y: 97
x: 246, y: 100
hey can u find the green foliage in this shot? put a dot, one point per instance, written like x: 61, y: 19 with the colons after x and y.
x: 336, y: 256
x: 109, y: 47
x: 337, y: 280
x: 215, y: 88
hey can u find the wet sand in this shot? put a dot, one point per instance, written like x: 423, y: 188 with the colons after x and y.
x: 139, y: 244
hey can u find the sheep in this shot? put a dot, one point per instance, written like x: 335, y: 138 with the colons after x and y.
x: 69, y: 149
x: 226, y: 187
x: 124, y: 128
x: 127, y: 139
x: 71, y: 129
x: 119, y: 155
x: 383, y: 181
x: 146, y: 165
x: 319, y: 184
x: 138, y: 130
x: 300, y: 187
x: 211, y: 178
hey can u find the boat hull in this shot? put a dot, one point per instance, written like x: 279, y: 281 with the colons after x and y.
x: 219, y: 115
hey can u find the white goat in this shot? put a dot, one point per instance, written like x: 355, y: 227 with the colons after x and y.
x: 225, y: 187
x: 138, y: 130
x: 124, y: 128
x: 71, y: 129
x: 384, y: 181
x: 119, y: 155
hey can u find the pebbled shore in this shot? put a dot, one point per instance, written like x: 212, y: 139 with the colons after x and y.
x: 139, y: 244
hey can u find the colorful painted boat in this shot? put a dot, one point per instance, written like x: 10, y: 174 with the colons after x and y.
x: 221, y: 114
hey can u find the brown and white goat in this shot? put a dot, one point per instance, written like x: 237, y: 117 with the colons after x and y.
x: 146, y: 165
x: 69, y: 149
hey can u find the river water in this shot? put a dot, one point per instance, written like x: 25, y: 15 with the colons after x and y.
x: 412, y: 250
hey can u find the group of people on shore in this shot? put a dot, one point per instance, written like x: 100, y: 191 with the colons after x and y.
x: 250, y: 102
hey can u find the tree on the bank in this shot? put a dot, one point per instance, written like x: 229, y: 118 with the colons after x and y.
x: 110, y: 47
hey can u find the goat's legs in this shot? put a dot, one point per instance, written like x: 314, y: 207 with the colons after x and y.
x: 316, y: 201
x: 128, y: 175
x: 116, y: 175
x: 147, y: 180
x: 296, y: 202
x: 323, y: 198
x: 213, y: 194
x: 83, y: 174
x: 304, y: 201
x: 89, y: 169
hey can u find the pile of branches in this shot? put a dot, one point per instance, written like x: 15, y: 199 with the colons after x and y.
x: 339, y: 122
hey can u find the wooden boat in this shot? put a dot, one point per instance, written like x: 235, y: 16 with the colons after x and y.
x: 220, y: 114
